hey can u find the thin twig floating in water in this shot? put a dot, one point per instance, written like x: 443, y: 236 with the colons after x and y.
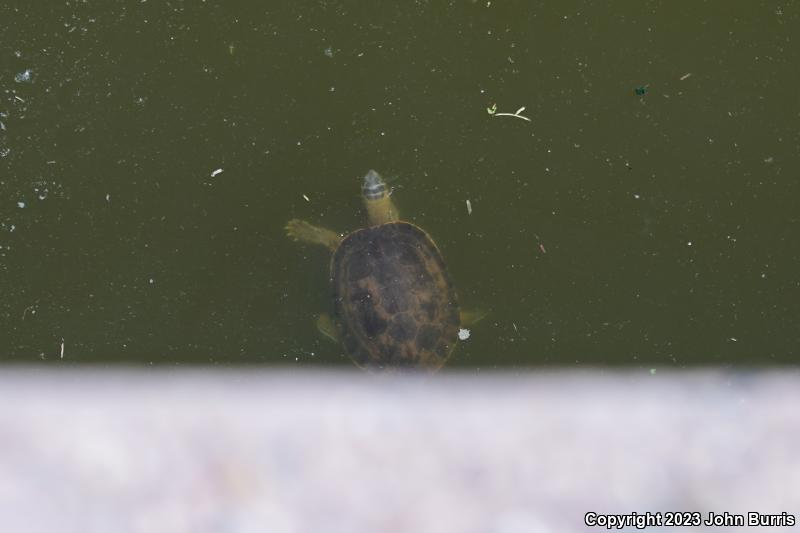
x: 493, y: 111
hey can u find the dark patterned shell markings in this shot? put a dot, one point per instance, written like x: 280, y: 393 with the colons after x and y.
x: 395, y: 302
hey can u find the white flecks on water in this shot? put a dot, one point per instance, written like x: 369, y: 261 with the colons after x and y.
x: 26, y: 76
x: 306, y: 198
x: 469, y: 207
x: 463, y: 334
x: 216, y: 173
x: 328, y: 52
x: 21, y: 205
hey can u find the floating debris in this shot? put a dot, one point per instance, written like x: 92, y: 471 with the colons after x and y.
x: 493, y: 112
x: 685, y: 76
x: 26, y: 76
x: 21, y: 205
x: 216, y: 172
x: 328, y: 52
x: 539, y: 243
x: 463, y: 334
x: 306, y: 198
x: 62, y: 349
x: 469, y: 207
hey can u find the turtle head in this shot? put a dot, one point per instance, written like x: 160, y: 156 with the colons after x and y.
x: 377, y: 198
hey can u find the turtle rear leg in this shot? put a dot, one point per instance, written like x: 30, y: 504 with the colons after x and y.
x: 327, y: 327
x: 300, y: 230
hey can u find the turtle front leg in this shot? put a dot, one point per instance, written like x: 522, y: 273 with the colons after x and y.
x: 471, y: 316
x: 327, y: 327
x: 300, y: 230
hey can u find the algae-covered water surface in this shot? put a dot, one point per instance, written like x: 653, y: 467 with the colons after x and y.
x: 640, y: 210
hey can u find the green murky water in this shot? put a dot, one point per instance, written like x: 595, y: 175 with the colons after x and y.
x: 151, y: 152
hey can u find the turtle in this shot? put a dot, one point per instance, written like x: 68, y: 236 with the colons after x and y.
x: 395, y: 303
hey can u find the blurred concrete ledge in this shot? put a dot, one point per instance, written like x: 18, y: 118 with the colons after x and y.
x: 276, y: 451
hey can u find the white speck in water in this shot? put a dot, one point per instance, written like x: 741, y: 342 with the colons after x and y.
x: 463, y: 334
x: 21, y: 205
x: 108, y: 197
x: 215, y: 173
x: 769, y: 160
x: 469, y: 207
x: 152, y: 281
x: 26, y: 76
x: 328, y: 52
x: 306, y: 198
x: 689, y: 243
